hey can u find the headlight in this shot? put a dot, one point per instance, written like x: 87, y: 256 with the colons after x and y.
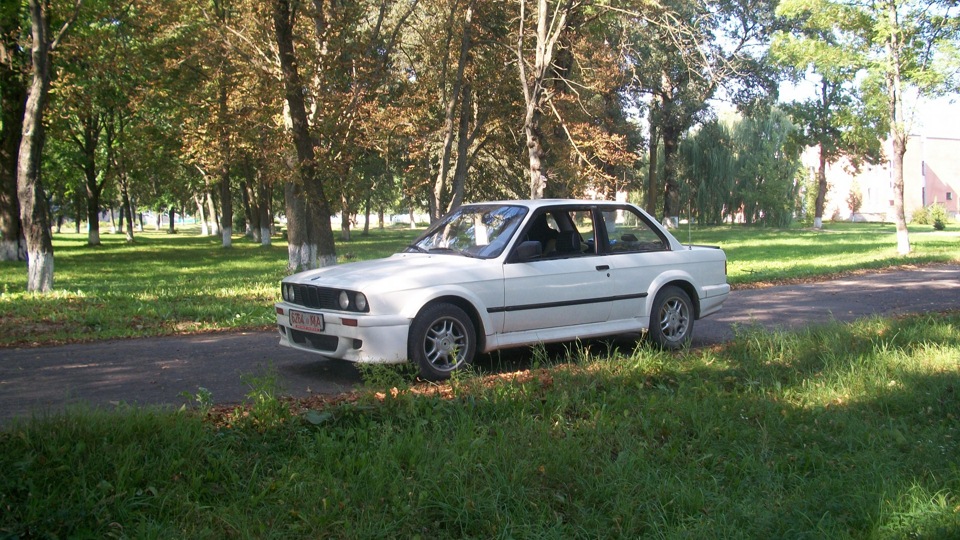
x: 344, y: 300
x: 361, y: 301
x: 284, y: 292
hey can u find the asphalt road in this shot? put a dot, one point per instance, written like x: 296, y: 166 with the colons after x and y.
x: 158, y: 371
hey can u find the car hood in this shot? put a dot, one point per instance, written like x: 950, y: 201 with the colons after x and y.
x: 397, y: 272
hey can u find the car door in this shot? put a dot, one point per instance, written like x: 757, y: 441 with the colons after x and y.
x: 636, y: 254
x: 566, y: 287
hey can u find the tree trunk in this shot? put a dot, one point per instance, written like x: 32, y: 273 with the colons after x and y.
x: 653, y: 187
x: 531, y: 128
x: 250, y: 214
x: 463, y: 150
x: 548, y: 32
x: 303, y: 229
x: 34, y: 214
x: 13, y: 95
x: 201, y: 215
x: 318, y: 209
x: 821, y: 190
x: 127, y: 207
x: 263, y: 210
x: 440, y: 187
x: 671, y: 192
x: 226, y: 198
x: 898, y: 134
x: 212, y: 217
x: 173, y: 215
x: 367, y: 209
x: 344, y: 219
x: 94, y: 181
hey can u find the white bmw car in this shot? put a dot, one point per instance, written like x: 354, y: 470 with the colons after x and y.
x: 506, y: 274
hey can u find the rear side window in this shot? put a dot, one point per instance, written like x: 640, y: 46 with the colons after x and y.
x: 629, y: 232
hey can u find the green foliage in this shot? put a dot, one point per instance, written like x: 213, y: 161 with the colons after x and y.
x: 935, y: 215
x: 265, y: 409
x: 767, y: 166
x: 834, y: 432
x: 746, y: 170
x: 203, y: 399
x: 938, y: 215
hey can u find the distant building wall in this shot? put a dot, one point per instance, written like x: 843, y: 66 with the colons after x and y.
x: 931, y: 174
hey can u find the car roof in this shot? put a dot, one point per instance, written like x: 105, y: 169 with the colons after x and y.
x: 540, y: 203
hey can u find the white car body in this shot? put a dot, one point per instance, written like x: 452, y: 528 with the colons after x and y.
x: 518, y: 296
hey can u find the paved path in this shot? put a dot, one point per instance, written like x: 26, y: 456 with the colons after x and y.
x: 159, y: 370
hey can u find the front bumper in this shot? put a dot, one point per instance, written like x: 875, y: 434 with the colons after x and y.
x: 354, y: 337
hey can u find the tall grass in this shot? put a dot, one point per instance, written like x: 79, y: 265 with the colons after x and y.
x: 841, y: 431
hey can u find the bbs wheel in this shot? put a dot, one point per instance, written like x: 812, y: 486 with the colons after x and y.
x: 442, y: 340
x: 671, y: 319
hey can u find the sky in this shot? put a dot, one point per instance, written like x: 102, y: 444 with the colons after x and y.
x: 934, y: 117
x: 939, y: 118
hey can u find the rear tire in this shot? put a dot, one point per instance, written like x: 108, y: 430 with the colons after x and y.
x: 442, y: 340
x: 671, y: 319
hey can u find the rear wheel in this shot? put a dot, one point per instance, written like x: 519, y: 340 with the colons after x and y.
x: 442, y: 340
x: 671, y: 320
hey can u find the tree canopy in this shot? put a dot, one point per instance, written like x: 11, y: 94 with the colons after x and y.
x: 239, y: 111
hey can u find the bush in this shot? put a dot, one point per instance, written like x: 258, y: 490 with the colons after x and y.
x: 938, y: 216
x: 921, y: 216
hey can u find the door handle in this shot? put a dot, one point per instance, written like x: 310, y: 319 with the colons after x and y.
x: 602, y: 267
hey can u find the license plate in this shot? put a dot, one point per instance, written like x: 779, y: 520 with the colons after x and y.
x: 307, y: 322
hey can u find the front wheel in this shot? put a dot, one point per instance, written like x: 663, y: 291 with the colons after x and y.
x: 671, y: 320
x: 442, y: 340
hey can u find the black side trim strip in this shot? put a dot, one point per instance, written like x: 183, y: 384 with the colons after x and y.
x: 567, y: 303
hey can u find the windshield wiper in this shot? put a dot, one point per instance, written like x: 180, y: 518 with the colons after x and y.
x: 417, y: 248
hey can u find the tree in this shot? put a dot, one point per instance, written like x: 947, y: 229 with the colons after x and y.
x: 909, y: 38
x: 348, y: 65
x: 307, y: 203
x: 838, y: 120
x: 552, y: 22
x: 681, y: 53
x: 767, y: 161
x: 34, y: 214
x: 13, y: 96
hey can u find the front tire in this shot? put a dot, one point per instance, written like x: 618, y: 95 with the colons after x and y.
x: 442, y: 340
x: 671, y: 320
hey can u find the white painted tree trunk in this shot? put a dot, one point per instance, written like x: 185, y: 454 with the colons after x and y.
x: 265, y: 236
x: 39, y: 271
x: 227, y: 236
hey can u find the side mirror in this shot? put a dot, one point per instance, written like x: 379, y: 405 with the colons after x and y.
x: 529, y: 250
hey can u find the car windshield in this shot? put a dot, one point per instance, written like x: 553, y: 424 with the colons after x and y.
x: 481, y: 231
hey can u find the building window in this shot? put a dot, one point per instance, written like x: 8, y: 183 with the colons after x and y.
x: 949, y: 195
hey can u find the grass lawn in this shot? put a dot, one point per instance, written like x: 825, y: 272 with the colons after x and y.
x: 843, y: 431
x: 839, y: 431
x: 172, y: 284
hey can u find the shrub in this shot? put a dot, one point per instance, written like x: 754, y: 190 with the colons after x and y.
x: 938, y: 216
x: 921, y: 216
